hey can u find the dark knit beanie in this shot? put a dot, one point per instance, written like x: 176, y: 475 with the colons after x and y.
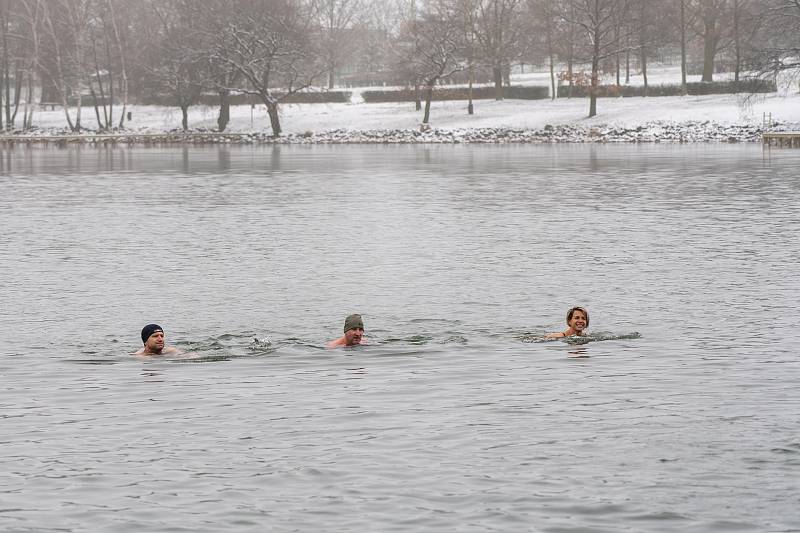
x: 353, y: 322
x: 148, y: 330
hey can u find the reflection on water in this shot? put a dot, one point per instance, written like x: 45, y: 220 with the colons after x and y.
x: 676, y: 413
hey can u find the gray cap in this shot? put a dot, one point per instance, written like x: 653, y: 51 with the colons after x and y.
x: 353, y: 322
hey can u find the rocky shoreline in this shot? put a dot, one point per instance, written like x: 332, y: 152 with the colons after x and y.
x: 651, y: 132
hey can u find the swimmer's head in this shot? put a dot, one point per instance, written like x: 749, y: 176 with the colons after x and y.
x: 353, y: 322
x: 572, y: 312
x: 148, y: 330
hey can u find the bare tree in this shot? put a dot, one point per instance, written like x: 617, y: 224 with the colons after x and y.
x: 104, y: 63
x: 597, y: 20
x: 650, y: 21
x: 467, y: 12
x: 338, y: 20
x: 498, y: 31
x: 406, y: 44
x: 682, y: 23
x: 749, y: 19
x: 545, y: 26
x: 566, y: 37
x: 30, y: 18
x: 174, y: 58
x: 439, y: 47
x: 780, y: 50
x: 710, y: 26
x: 118, y: 37
x: 65, y: 26
x: 5, y: 67
x: 271, y: 51
x: 218, y: 45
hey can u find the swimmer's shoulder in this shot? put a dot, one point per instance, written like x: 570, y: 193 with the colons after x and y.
x: 169, y: 350
x: 335, y: 343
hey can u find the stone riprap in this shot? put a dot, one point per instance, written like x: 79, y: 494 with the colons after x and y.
x: 651, y: 132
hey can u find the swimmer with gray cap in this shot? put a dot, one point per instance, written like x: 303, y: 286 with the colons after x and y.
x: 153, y: 340
x: 353, y: 333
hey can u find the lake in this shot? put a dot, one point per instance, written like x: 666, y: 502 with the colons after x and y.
x: 680, y: 413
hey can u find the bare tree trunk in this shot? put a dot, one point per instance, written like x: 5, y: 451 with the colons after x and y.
x: 469, y: 36
x: 224, y: 109
x: 79, y: 106
x: 643, y: 28
x: 27, y: 111
x: 470, y: 107
x: 428, y: 97
x: 185, y: 116
x: 497, y: 73
x: 2, y: 86
x: 6, y: 70
x: 571, y: 51
x: 683, y: 48
x: 595, y: 65
x: 569, y: 76
x: 736, y: 42
x: 551, y: 60
x: 274, y: 119
x: 593, y: 89
x: 627, y: 64
x: 644, y: 68
x: 123, y: 70
x: 96, y: 107
x: 77, y: 31
x: 417, y: 99
x: 101, y: 124
x: 616, y: 54
x: 27, y: 118
x: 110, y: 117
x: 709, y: 47
x: 60, y: 81
x: 18, y: 77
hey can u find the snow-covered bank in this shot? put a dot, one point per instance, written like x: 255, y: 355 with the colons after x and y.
x: 713, y: 118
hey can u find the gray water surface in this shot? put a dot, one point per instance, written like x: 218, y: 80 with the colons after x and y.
x: 454, y: 418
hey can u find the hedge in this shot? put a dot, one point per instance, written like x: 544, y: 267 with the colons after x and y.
x: 461, y: 93
x: 321, y: 97
x: 694, y: 88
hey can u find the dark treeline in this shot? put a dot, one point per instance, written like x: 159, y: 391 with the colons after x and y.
x: 96, y: 57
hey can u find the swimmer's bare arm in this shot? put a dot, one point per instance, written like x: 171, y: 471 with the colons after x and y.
x: 556, y: 335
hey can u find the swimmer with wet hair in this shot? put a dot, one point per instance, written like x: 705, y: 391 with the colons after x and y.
x: 577, y: 322
x: 353, y: 333
x: 153, y: 340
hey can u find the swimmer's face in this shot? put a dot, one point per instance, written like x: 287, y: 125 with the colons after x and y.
x: 155, y: 342
x: 578, y: 321
x: 353, y: 336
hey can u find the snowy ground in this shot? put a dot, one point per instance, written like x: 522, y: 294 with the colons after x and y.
x: 629, y: 113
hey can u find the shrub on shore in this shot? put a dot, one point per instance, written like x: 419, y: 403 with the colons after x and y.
x: 460, y: 93
x: 694, y: 89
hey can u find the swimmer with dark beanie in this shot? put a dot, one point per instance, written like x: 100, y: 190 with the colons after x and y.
x: 577, y: 322
x: 353, y: 333
x: 153, y: 339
